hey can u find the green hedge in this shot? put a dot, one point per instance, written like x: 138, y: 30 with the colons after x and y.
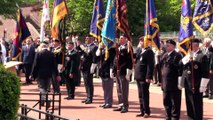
x: 9, y: 94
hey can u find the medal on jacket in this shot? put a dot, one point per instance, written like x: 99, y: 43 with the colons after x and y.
x: 195, y: 66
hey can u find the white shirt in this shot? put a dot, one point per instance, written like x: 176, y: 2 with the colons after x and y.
x: 4, y: 52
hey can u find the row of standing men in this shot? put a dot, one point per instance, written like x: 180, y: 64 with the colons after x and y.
x: 176, y: 74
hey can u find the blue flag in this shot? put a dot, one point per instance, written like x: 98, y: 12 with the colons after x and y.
x: 186, y: 27
x: 151, y: 27
x: 97, y: 19
x: 109, y: 28
x: 203, y: 16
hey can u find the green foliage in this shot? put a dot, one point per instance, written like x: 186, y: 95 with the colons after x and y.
x: 9, y: 7
x: 9, y: 94
x: 80, y: 13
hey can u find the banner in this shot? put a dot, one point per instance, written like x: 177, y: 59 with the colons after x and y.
x: 121, y: 14
x: 203, y: 16
x: 151, y: 27
x: 44, y: 19
x: 59, y: 12
x: 21, y: 33
x: 109, y: 28
x: 97, y: 19
x: 186, y: 27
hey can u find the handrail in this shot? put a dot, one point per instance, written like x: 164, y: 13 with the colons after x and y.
x: 47, y: 113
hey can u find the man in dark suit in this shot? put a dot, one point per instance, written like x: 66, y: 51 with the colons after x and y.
x: 170, y: 72
x: 144, y: 67
x: 57, y: 50
x: 123, y: 72
x: 208, y: 51
x: 44, y: 67
x: 211, y: 73
x: 105, y: 72
x: 89, y: 64
x: 196, y: 77
x: 28, y: 54
x: 71, y: 69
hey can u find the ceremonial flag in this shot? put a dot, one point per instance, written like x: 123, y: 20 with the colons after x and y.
x: 203, y: 16
x: 97, y: 19
x: 109, y: 28
x: 21, y: 33
x: 121, y: 14
x: 44, y: 19
x: 59, y: 12
x: 151, y: 27
x: 186, y: 27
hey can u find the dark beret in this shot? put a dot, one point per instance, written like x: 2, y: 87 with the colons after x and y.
x: 70, y: 43
x: 44, y: 42
x: 170, y: 41
x: 55, y: 40
x: 196, y: 40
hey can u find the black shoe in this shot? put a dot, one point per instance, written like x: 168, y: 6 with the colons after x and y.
x: 205, y: 96
x: 102, y: 105
x: 69, y: 98
x: 140, y: 115
x: 56, y: 93
x: 124, y: 110
x: 48, y: 104
x: 117, y: 109
x: 210, y: 96
x: 107, y: 106
x: 83, y: 101
x: 88, y: 102
x: 146, y: 115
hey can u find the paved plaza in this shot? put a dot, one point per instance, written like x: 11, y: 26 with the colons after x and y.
x: 74, y: 109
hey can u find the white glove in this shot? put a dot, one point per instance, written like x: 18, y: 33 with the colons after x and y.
x: 129, y: 72
x: 98, y: 52
x: 203, y: 84
x: 180, y: 83
x: 92, y: 68
x: 111, y: 74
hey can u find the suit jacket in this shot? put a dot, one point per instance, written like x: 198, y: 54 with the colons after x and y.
x: 144, y: 64
x: 58, y: 54
x: 105, y: 65
x: 89, y: 57
x: 44, y: 65
x: 28, y: 54
x: 72, y: 62
x: 170, y: 70
x: 124, y: 61
x: 200, y: 68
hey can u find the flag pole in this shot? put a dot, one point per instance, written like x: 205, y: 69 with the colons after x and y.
x: 192, y: 70
x: 147, y: 19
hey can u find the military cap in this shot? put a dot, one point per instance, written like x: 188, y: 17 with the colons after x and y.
x: 70, y: 43
x: 55, y: 40
x: 44, y: 42
x: 170, y: 41
x: 196, y: 41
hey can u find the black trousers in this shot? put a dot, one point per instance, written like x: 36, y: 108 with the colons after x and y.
x: 194, y: 104
x: 55, y: 84
x: 70, y: 84
x: 88, y: 82
x: 172, y: 104
x: 123, y: 91
x: 157, y: 73
x: 143, y: 93
x: 210, y: 85
x: 27, y: 71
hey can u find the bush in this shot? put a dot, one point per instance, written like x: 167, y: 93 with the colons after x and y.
x: 9, y: 94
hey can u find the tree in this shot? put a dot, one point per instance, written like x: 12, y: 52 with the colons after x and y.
x: 9, y: 7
